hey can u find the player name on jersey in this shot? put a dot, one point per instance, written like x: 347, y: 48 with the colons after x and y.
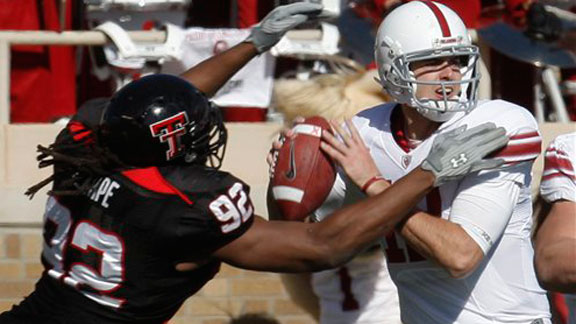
x: 103, y: 190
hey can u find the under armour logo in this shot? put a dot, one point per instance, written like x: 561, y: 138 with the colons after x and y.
x: 458, y: 162
x: 170, y: 130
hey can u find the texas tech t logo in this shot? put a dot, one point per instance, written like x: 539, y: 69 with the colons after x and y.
x: 170, y: 130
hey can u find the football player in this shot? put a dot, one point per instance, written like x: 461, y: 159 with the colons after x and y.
x: 464, y: 255
x: 555, y: 244
x: 139, y: 217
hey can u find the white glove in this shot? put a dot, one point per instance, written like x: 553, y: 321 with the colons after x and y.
x: 271, y: 29
x: 460, y: 152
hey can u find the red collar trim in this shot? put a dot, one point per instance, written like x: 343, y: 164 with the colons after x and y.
x: 397, y: 128
x: 151, y: 179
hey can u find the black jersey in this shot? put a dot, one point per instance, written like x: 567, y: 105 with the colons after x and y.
x: 110, y: 254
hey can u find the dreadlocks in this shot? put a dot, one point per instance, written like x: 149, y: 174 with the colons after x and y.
x: 78, y: 160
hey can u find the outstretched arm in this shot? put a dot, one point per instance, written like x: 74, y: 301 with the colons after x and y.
x: 294, y: 246
x: 285, y: 246
x: 210, y: 75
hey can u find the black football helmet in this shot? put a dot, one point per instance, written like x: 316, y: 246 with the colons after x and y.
x: 162, y: 119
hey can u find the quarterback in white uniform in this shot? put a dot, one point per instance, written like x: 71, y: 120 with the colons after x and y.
x: 556, y: 238
x: 465, y: 255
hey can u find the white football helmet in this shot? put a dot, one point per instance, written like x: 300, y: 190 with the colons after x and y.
x: 423, y: 30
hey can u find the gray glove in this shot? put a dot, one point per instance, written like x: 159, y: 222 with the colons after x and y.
x: 460, y: 152
x: 271, y: 29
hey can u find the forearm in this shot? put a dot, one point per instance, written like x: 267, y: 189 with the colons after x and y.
x: 377, y: 187
x: 478, y: 216
x: 443, y: 242
x: 555, y: 248
x: 556, y: 265
x: 357, y: 226
x: 211, y: 74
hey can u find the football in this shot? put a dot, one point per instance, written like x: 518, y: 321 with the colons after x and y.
x: 304, y: 174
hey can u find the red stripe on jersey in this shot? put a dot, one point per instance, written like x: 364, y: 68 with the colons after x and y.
x: 557, y: 165
x: 151, y: 179
x: 523, y: 151
x: 558, y: 174
x: 555, y: 159
x: 512, y: 150
x: 394, y: 253
x: 349, y: 303
x: 434, y: 208
x: 524, y: 135
x: 440, y: 17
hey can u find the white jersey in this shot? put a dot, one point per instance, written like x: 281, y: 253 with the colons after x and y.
x: 251, y: 86
x: 360, y: 292
x: 493, y: 207
x: 558, y: 178
x: 559, y: 182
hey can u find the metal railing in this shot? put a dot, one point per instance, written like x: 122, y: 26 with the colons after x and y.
x: 85, y: 38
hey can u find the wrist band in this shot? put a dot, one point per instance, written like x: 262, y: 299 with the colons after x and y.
x: 370, y: 181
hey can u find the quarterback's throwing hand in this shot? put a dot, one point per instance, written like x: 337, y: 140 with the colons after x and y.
x: 271, y: 29
x: 459, y: 152
x: 350, y: 152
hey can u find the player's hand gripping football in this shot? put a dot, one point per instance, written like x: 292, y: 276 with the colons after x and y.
x: 285, y: 133
x: 350, y: 153
x: 459, y: 152
x: 271, y: 29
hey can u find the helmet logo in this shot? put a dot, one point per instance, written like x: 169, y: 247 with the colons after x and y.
x: 170, y: 130
x: 448, y: 41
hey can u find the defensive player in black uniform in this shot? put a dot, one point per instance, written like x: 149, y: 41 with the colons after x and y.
x: 139, y: 216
